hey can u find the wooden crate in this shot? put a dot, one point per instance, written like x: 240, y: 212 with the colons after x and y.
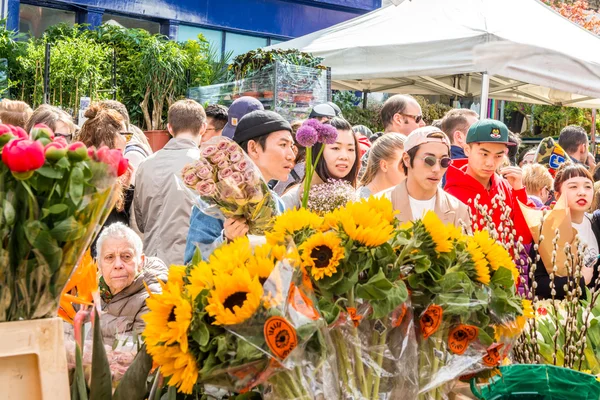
x: 33, y: 362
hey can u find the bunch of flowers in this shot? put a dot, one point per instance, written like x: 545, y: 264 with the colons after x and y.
x: 230, y: 185
x: 54, y: 197
x: 310, y: 133
x: 233, y: 321
x: 464, y: 297
x: 329, y: 196
x: 347, y: 257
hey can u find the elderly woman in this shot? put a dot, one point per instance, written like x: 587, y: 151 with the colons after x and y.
x: 124, y: 270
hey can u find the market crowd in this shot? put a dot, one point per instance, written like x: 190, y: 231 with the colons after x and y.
x: 469, y: 171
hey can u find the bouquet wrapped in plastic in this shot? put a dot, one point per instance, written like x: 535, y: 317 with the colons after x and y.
x: 54, y: 198
x: 464, y: 298
x: 348, y: 259
x: 240, y: 319
x: 230, y: 185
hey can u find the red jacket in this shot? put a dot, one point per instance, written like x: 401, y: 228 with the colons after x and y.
x: 464, y: 187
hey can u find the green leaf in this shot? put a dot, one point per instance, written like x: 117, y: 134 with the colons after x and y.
x: 78, y: 387
x: 197, y: 257
x: 209, y: 363
x: 247, y: 351
x: 58, y: 208
x: 376, y: 288
x: 101, y: 382
x: 63, y: 163
x: 502, y: 277
x: 201, y: 334
x: 76, y: 185
x: 9, y: 213
x: 68, y: 230
x: 39, y: 237
x: 133, y: 384
x: 50, y: 172
x: 394, y: 298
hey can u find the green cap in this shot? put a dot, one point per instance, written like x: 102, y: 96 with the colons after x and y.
x: 488, y: 131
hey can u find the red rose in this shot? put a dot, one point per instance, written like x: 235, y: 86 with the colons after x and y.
x: 23, y: 156
x: 77, y: 151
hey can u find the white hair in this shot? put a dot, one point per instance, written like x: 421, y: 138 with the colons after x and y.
x: 119, y: 230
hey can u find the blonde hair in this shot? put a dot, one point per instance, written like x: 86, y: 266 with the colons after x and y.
x: 383, y: 149
x: 536, y: 177
x: 49, y: 115
x: 15, y: 112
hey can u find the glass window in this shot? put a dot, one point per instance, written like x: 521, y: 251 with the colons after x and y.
x: 275, y: 41
x: 34, y: 20
x: 215, y: 38
x: 150, y: 26
x: 240, y: 44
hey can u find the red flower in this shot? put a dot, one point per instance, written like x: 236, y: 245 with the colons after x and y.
x: 542, y: 311
x: 114, y: 159
x: 6, y: 134
x: 23, y: 156
x: 56, y: 150
x: 77, y: 151
x: 18, y: 132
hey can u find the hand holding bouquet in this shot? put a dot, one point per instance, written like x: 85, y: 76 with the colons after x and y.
x: 230, y: 185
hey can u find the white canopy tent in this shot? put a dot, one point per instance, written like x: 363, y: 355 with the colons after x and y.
x: 520, y: 50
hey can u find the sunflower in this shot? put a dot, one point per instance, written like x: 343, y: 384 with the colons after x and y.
x: 230, y: 256
x: 176, y: 274
x: 177, y: 364
x: 481, y: 264
x: 321, y: 253
x: 496, y: 255
x: 260, y: 267
x: 438, y: 232
x: 201, y: 277
x: 292, y: 222
x: 366, y: 222
x: 169, y: 317
x: 234, y: 298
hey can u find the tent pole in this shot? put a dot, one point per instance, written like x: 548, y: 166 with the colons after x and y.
x: 485, y: 92
x: 593, y: 132
x: 502, y: 106
x: 365, y: 95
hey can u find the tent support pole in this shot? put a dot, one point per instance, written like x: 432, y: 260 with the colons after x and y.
x: 593, y: 132
x: 365, y: 95
x: 502, y: 105
x: 485, y: 93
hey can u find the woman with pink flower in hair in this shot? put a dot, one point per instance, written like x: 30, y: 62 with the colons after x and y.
x: 339, y: 160
x: 267, y: 140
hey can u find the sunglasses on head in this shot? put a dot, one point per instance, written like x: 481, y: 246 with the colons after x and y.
x: 417, y: 118
x: 445, y: 162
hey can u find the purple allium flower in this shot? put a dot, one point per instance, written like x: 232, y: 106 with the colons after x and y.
x: 307, y: 135
x: 312, y: 122
x: 327, y: 134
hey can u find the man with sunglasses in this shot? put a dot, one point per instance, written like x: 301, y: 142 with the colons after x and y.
x: 483, y: 180
x: 426, y: 158
x: 401, y: 114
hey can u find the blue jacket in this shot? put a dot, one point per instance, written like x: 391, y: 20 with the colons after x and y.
x: 206, y: 232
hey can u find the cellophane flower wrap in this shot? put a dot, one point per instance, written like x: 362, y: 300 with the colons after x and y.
x: 465, y: 301
x: 240, y: 319
x: 228, y: 184
x: 329, y: 196
x: 348, y: 258
x: 54, y: 198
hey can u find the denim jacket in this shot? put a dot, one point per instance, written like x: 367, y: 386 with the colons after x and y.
x: 207, y: 234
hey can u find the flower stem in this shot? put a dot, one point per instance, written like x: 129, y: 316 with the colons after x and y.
x: 372, y: 353
x: 357, y: 347
x: 381, y: 350
x: 307, y: 176
x: 344, y: 363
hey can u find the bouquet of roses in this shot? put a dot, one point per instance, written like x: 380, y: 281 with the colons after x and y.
x: 230, y: 185
x: 463, y: 290
x: 54, y: 197
x: 236, y: 321
x: 348, y: 259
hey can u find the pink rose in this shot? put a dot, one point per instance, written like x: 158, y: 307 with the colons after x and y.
x: 236, y: 157
x: 204, y: 172
x: 223, y: 145
x: 238, y: 178
x: 227, y: 192
x: 191, y: 179
x: 206, y: 188
x: 251, y: 177
x: 209, y: 151
x: 218, y: 157
x: 225, y: 173
x: 188, y: 168
x: 241, y: 166
x: 223, y: 164
x: 233, y: 147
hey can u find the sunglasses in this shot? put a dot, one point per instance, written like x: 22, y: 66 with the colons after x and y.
x: 127, y: 135
x: 68, y: 137
x: 445, y: 162
x: 417, y: 118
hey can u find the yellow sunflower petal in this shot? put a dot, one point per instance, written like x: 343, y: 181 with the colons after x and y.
x: 291, y: 222
x: 321, y: 254
x: 234, y: 298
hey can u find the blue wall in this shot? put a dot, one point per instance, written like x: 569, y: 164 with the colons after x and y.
x: 280, y: 19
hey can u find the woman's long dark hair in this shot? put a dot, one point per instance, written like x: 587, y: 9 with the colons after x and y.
x: 341, y: 125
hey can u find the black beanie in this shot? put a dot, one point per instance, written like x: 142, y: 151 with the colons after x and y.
x: 259, y: 123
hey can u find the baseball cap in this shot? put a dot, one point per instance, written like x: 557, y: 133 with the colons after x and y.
x: 322, y: 110
x: 488, y: 131
x: 421, y: 136
x: 237, y: 110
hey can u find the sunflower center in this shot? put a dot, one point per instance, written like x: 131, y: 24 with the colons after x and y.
x: 262, y: 281
x: 172, y: 315
x: 321, y: 255
x: 236, y: 299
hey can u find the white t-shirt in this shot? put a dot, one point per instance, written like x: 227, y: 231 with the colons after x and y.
x: 420, y: 207
x: 586, y: 235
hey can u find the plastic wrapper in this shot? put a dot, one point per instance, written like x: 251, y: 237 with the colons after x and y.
x: 290, y: 90
x: 225, y: 183
x: 251, y: 319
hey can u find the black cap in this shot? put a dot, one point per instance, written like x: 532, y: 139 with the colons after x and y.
x: 259, y: 123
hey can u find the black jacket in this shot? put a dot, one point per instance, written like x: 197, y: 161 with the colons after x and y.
x: 542, y: 277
